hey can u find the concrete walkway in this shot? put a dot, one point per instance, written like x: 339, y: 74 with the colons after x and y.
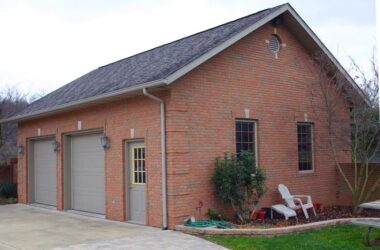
x: 29, y: 228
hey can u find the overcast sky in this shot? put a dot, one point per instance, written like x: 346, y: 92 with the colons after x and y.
x: 46, y: 44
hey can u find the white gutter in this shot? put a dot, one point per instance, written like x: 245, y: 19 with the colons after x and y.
x: 163, y: 158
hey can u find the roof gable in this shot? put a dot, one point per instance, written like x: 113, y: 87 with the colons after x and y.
x: 159, y: 66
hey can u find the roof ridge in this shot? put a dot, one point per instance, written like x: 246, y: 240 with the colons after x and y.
x: 136, y: 69
x: 160, y: 46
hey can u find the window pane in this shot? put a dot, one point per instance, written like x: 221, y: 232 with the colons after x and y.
x: 135, y: 153
x: 244, y: 126
x: 251, y: 136
x: 245, y: 137
x: 238, y: 136
x: 238, y: 148
x: 135, y: 177
x: 139, y: 165
x: 250, y: 126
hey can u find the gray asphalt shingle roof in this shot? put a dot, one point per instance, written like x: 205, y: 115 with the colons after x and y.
x: 151, y: 65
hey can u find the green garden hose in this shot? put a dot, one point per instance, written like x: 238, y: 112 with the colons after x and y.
x: 208, y: 223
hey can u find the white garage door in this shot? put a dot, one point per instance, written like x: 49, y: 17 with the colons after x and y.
x: 44, y: 177
x: 87, y: 174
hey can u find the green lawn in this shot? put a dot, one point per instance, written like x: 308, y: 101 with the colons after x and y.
x: 339, y: 237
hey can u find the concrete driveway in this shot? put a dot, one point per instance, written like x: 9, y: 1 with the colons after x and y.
x: 27, y: 227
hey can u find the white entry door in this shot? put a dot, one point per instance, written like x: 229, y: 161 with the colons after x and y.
x: 136, y: 176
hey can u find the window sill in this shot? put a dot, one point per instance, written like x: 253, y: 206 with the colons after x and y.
x: 306, y: 173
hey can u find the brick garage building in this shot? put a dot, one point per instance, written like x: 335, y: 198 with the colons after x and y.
x: 241, y: 85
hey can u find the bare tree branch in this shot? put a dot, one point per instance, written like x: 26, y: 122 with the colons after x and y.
x: 331, y: 94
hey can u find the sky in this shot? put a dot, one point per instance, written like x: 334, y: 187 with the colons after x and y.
x: 45, y: 44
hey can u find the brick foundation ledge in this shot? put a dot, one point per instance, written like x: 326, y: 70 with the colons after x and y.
x: 267, y: 231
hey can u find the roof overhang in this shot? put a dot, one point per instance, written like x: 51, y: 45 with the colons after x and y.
x: 112, y: 96
x: 292, y: 20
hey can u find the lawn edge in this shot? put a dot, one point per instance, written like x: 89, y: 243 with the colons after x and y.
x: 268, y: 231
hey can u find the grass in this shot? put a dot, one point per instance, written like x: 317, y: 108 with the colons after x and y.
x: 338, y: 237
x: 10, y: 200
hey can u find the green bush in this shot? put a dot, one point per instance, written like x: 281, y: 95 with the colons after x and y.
x: 8, y: 189
x: 214, y: 215
x: 239, y: 182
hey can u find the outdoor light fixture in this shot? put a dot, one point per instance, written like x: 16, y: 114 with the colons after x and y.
x: 55, y: 145
x: 104, y: 140
x: 20, y: 149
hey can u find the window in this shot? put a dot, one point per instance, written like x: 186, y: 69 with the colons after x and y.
x: 245, y: 136
x: 138, y: 168
x: 305, y: 146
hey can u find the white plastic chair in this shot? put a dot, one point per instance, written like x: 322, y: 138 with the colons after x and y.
x: 294, y: 201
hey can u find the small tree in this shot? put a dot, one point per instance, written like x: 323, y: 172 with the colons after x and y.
x: 11, y: 101
x: 240, y: 182
x: 360, y: 134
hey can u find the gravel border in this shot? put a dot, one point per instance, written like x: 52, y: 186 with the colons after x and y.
x: 268, y: 231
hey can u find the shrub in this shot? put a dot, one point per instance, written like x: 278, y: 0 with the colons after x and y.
x: 239, y: 182
x: 214, y: 215
x: 8, y: 189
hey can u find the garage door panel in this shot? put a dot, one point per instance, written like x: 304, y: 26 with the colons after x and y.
x: 44, y: 173
x: 87, y: 174
x: 90, y: 183
x: 93, y: 201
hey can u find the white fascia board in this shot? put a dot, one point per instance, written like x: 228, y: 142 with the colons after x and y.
x: 187, y: 68
x: 70, y: 105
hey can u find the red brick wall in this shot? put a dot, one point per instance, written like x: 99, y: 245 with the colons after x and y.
x: 344, y: 196
x: 116, y: 118
x: 200, y: 115
x: 201, y: 122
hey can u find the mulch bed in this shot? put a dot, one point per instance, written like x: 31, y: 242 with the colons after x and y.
x: 327, y: 213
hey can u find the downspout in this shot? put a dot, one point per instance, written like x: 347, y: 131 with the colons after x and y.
x: 163, y: 158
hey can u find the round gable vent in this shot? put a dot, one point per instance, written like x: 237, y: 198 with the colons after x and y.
x: 274, y: 43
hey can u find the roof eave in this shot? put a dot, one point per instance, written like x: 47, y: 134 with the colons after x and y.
x: 87, y: 101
